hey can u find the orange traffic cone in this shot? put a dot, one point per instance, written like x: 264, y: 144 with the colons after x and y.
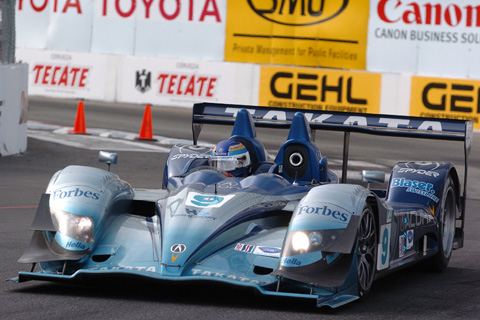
x: 146, y: 132
x: 79, y: 127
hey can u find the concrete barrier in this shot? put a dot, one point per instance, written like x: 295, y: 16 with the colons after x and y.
x: 13, y: 108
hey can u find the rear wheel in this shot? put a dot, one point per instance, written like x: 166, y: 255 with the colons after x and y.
x: 446, y: 222
x: 366, y: 251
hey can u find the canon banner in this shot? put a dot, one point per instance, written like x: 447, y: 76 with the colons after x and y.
x: 180, y: 82
x: 185, y: 28
x: 326, y: 33
x: 425, y: 37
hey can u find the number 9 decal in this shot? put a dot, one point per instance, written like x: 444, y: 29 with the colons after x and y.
x: 205, y: 200
x: 383, y: 247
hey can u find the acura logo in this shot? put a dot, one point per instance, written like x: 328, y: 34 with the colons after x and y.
x: 178, y: 248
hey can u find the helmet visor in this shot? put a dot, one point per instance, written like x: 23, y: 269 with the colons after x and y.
x: 228, y: 163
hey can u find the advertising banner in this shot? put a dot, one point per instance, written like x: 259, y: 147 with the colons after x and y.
x: 185, y: 28
x: 57, y: 24
x: 324, y: 33
x: 166, y: 28
x: 321, y: 89
x: 426, y: 37
x: 31, y: 27
x: 180, y: 82
x: 64, y: 74
x: 446, y: 98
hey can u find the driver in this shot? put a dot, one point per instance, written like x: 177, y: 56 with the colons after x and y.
x: 232, y: 157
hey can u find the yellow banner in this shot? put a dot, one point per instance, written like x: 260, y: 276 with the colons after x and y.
x: 320, y: 33
x: 320, y: 89
x: 446, y: 98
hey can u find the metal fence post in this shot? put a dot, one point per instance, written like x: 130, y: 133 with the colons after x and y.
x: 7, y: 31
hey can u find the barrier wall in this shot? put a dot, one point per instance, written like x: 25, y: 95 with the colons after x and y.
x: 425, y: 37
x: 411, y: 58
x: 168, y: 28
x: 66, y: 74
x: 305, y: 33
x: 13, y: 108
x: 182, y: 82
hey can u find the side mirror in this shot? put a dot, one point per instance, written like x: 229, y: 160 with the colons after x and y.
x: 373, y: 176
x: 108, y: 158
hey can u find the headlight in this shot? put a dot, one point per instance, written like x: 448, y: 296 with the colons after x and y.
x: 315, y: 238
x: 300, y: 241
x: 75, y: 226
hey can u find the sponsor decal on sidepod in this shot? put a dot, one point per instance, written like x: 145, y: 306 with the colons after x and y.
x: 409, y: 235
x: 422, y: 188
x: 267, y: 251
x: 244, y: 247
x: 429, y: 173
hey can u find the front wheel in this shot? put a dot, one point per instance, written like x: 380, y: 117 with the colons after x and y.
x: 366, y: 251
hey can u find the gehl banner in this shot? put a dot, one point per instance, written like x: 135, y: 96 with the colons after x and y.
x: 320, y: 89
x: 446, y: 98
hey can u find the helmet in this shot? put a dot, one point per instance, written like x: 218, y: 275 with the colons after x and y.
x: 230, y: 156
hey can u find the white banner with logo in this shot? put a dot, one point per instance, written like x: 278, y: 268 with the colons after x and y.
x: 184, y: 28
x: 63, y: 74
x: 425, y: 37
x: 181, y: 82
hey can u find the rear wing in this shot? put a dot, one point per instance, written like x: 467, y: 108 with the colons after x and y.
x: 376, y: 124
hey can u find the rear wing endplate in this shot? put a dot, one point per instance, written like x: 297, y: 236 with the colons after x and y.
x: 376, y: 124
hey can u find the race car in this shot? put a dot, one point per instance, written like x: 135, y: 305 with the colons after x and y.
x: 292, y: 227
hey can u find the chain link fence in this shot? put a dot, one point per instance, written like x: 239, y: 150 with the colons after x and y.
x: 7, y: 31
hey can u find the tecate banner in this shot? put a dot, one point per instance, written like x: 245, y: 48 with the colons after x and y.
x: 185, y: 28
x: 65, y: 74
x: 425, y: 37
x: 181, y: 82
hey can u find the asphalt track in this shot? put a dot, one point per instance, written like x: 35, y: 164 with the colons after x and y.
x: 408, y: 294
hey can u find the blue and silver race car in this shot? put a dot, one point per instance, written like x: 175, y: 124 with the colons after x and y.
x: 291, y: 228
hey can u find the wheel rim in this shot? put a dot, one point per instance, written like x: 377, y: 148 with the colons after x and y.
x: 366, y: 250
x: 448, y: 221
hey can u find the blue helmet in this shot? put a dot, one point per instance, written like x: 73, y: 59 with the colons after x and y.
x: 232, y: 157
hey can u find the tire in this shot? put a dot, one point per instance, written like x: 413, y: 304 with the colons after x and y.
x: 446, y: 223
x: 366, y: 251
